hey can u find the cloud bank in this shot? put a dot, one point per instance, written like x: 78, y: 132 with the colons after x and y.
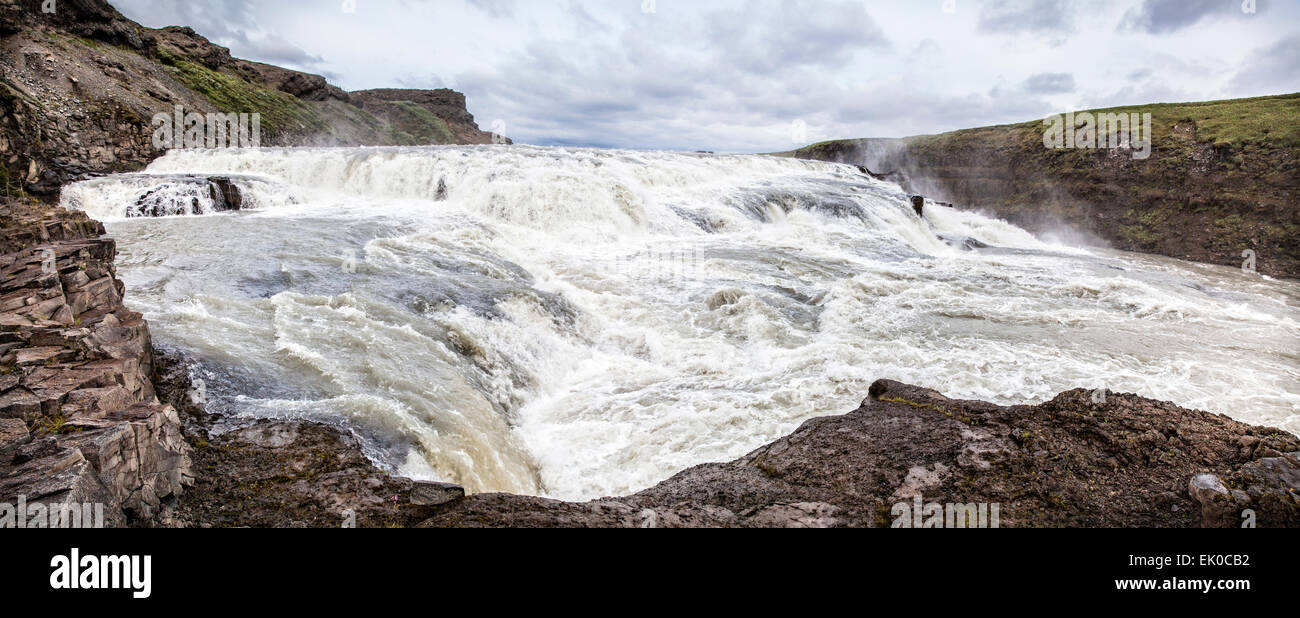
x: 764, y: 75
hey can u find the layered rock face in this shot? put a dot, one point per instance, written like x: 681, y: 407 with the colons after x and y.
x: 79, y: 89
x: 79, y: 417
x: 909, y: 457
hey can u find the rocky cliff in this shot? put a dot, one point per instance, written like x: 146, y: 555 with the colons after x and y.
x: 1222, y: 178
x: 80, y: 86
x: 79, y: 419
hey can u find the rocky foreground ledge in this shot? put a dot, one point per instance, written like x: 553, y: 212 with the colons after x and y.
x: 1124, y: 462
x: 91, y: 413
x: 1073, y: 461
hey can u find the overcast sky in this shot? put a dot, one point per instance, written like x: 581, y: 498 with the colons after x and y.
x: 764, y: 75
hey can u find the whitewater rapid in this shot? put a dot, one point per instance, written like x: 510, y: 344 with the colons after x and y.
x: 580, y: 323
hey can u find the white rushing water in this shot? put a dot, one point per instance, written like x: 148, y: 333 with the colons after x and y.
x: 579, y: 323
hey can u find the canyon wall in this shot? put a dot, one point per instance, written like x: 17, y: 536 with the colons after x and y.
x: 79, y: 419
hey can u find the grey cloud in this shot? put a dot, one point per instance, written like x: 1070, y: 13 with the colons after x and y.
x: 1165, y: 16
x: 216, y: 19
x: 231, y: 23
x: 1050, y: 83
x: 583, y: 18
x: 495, y: 8
x: 733, y: 76
x: 1271, y: 70
x: 1052, y: 17
x: 910, y: 110
x: 276, y: 51
x: 671, y: 83
x: 765, y: 36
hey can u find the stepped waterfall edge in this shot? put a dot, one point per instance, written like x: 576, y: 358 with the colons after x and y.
x: 580, y: 323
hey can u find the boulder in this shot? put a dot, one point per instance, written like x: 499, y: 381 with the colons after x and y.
x: 225, y: 194
x: 433, y: 494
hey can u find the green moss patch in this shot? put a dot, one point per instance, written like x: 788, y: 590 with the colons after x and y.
x: 282, y: 113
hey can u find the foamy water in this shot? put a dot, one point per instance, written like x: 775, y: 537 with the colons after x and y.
x: 579, y: 323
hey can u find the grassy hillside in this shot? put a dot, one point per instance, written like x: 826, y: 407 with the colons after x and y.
x: 78, y: 90
x: 1223, y: 177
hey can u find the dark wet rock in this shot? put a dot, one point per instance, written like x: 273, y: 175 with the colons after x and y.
x: 698, y: 219
x: 289, y: 474
x: 434, y: 494
x: 297, y: 474
x: 225, y: 194
x: 868, y: 172
x: 964, y: 242
x: 292, y: 474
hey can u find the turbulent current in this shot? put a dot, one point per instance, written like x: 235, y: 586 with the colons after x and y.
x: 581, y: 323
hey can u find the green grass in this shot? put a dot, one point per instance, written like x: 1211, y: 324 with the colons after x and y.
x: 52, y: 426
x: 1271, y: 121
x: 282, y: 113
x: 286, y: 115
x: 418, y: 125
x: 1235, y: 122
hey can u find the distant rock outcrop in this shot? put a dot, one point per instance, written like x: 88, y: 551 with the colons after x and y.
x: 79, y: 88
x: 401, y: 109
